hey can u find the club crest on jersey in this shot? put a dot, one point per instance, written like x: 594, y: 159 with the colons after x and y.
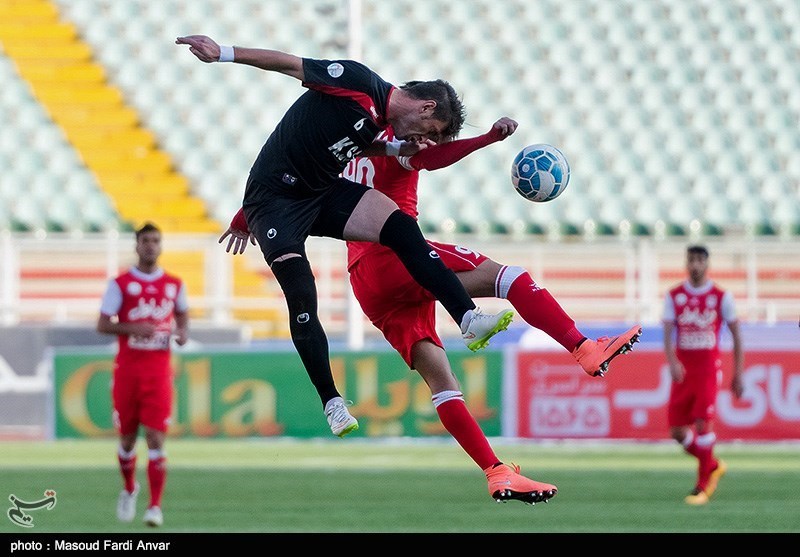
x: 170, y: 290
x: 335, y: 69
x: 134, y: 288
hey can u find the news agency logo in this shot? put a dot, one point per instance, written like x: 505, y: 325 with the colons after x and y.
x: 17, y: 514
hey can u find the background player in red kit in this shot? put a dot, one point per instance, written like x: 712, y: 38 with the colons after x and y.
x: 150, y: 306
x: 405, y: 313
x: 693, y: 315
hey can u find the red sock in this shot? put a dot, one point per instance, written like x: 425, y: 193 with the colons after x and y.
x: 127, y: 467
x: 156, y: 475
x: 705, y: 461
x: 705, y: 444
x: 458, y: 421
x: 539, y: 309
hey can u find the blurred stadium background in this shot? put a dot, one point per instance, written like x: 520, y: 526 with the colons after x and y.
x: 680, y: 119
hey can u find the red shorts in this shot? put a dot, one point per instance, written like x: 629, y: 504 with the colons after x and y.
x: 142, y: 395
x: 695, y: 397
x: 396, y: 304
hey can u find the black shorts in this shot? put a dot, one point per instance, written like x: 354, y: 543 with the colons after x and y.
x: 281, y: 222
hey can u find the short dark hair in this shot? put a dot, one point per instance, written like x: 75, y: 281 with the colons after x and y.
x: 698, y: 250
x: 147, y: 227
x: 449, y: 107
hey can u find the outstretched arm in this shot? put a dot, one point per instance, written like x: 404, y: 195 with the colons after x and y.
x: 395, y: 148
x: 449, y: 152
x: 207, y: 50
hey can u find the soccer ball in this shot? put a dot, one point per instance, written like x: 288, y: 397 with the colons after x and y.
x: 540, y: 172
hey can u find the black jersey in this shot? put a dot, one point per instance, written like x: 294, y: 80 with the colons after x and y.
x: 341, y: 114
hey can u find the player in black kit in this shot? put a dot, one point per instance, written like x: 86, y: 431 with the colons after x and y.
x: 295, y: 190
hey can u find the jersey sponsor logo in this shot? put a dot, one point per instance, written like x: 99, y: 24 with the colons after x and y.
x: 699, y: 340
x: 158, y: 341
x: 701, y: 319
x: 344, y: 150
x: 151, y: 310
x: 335, y: 69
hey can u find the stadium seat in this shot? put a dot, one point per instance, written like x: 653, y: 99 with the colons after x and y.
x: 99, y: 215
x: 27, y: 215
x: 709, y: 84
x: 753, y: 214
x: 785, y: 218
x: 63, y: 215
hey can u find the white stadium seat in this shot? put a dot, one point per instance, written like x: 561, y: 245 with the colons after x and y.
x: 631, y: 89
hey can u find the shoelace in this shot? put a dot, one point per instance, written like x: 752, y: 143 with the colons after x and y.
x: 338, y: 411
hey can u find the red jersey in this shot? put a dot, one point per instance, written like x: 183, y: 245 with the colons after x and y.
x: 698, y: 314
x: 398, y: 180
x: 138, y: 296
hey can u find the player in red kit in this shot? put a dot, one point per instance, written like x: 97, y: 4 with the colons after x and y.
x: 694, y: 312
x: 405, y: 313
x: 145, y: 307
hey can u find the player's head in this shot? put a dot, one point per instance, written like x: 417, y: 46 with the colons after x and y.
x: 148, y: 244
x: 697, y: 263
x: 437, y: 112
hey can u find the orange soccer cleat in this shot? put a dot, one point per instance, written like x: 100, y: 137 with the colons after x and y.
x: 716, y: 474
x: 506, y: 483
x: 595, y: 355
x: 696, y: 497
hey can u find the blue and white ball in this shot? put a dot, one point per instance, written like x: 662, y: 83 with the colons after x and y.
x: 540, y: 172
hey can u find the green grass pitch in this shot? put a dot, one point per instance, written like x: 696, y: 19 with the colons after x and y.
x: 357, y: 486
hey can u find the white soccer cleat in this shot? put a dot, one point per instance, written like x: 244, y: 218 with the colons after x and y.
x: 153, y: 517
x: 482, y: 327
x: 339, y: 417
x: 126, y: 504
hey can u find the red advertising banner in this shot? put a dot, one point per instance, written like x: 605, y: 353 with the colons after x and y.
x: 555, y: 399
